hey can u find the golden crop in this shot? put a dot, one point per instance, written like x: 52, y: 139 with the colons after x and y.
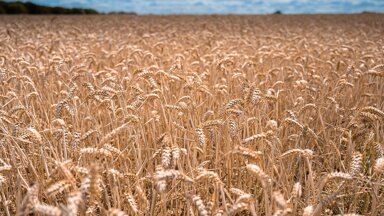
x: 192, y: 115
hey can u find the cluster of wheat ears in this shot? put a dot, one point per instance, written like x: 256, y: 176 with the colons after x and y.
x: 184, y: 115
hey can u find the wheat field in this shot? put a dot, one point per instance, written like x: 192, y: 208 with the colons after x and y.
x: 192, y: 115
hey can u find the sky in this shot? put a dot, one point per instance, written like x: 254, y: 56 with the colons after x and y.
x: 221, y: 6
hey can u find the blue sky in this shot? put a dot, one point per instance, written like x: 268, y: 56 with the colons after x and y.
x: 222, y: 6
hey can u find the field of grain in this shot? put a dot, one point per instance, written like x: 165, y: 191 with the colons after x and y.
x: 192, y: 115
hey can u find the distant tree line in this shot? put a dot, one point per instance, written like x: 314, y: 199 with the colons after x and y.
x: 31, y: 8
